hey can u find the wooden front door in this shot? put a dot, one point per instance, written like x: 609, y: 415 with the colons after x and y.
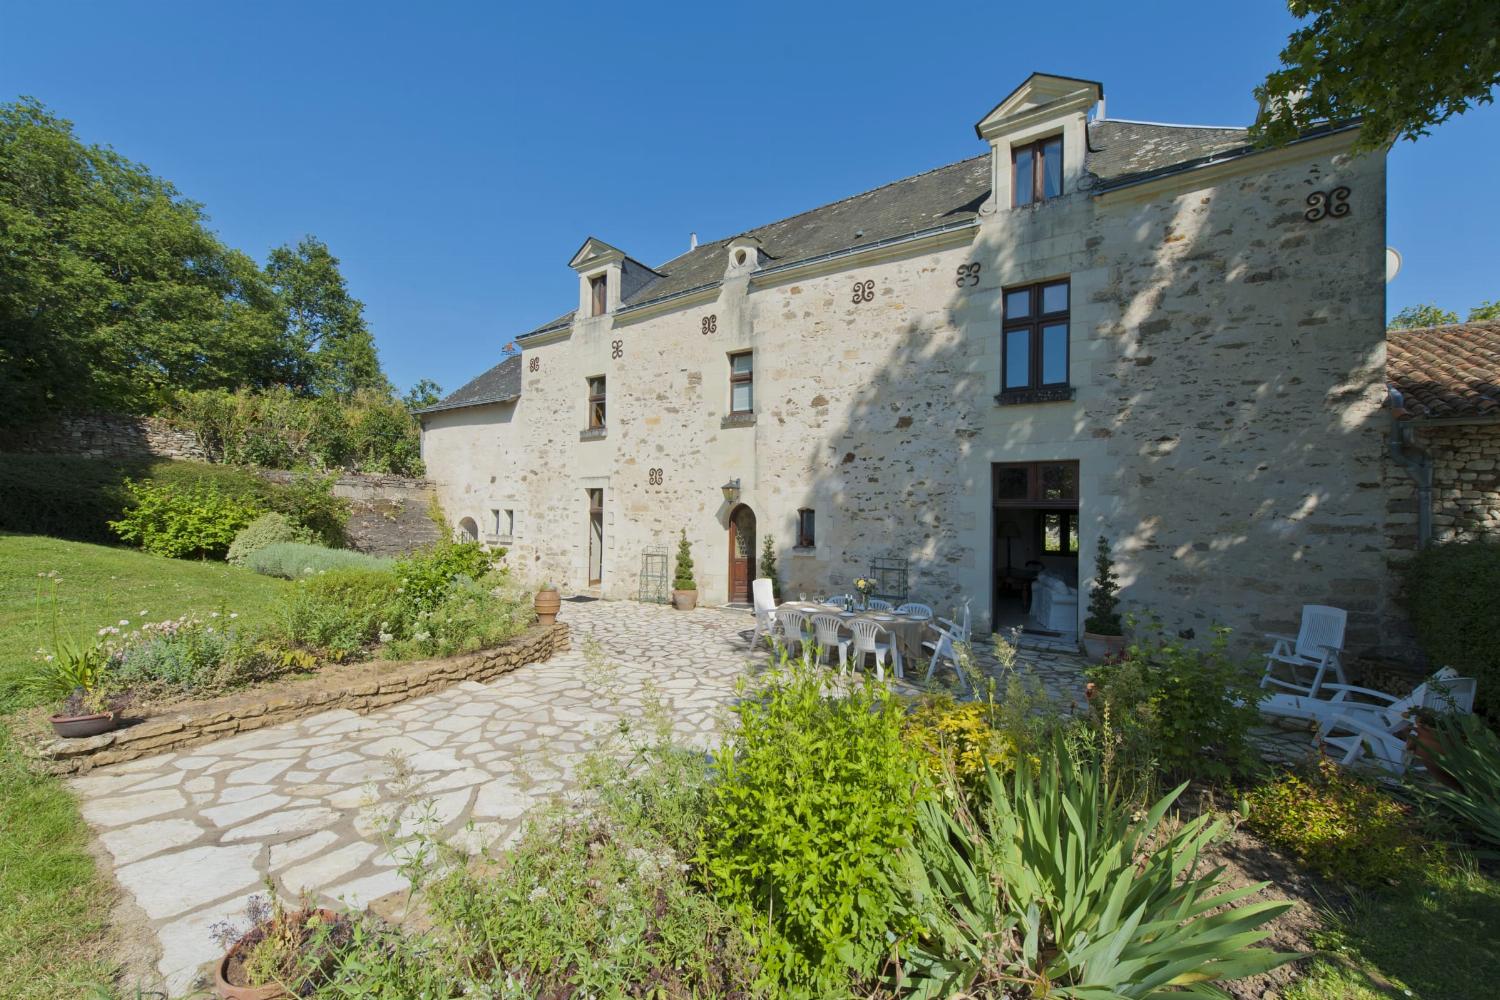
x: 741, y: 553
x: 596, y: 537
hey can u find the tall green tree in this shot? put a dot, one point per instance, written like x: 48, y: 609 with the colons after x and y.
x: 425, y: 393
x: 1427, y: 314
x: 113, y: 291
x: 329, y: 349
x: 1402, y: 66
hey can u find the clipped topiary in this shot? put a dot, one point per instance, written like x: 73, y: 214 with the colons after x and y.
x: 268, y: 529
x: 684, y: 587
x: 768, y: 567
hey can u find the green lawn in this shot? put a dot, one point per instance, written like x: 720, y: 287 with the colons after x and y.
x: 53, y: 905
x: 100, y: 586
x: 1433, y: 941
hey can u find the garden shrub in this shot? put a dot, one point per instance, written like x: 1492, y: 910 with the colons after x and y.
x: 427, y: 577
x: 1468, y: 751
x: 297, y: 560
x: 334, y: 614
x: 180, y: 521
x: 469, y: 617
x: 307, y: 499
x: 960, y: 740
x: 1047, y: 884
x: 265, y: 530
x: 1337, y: 823
x: 814, y: 802
x: 1450, y: 590
x: 1189, y: 708
x: 191, y: 654
x: 277, y: 429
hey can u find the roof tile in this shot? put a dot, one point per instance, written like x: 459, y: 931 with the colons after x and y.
x: 1446, y: 371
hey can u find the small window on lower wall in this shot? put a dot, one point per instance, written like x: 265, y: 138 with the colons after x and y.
x: 807, y: 536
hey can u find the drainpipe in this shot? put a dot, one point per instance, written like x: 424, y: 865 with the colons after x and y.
x: 1417, y: 462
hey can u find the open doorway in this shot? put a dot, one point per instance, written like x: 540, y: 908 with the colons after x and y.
x: 1035, y: 547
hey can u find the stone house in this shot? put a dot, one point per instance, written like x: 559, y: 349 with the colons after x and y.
x: 1444, y: 481
x: 1153, y: 332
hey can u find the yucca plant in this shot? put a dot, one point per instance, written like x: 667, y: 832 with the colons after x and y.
x: 1469, y: 751
x: 1045, y: 886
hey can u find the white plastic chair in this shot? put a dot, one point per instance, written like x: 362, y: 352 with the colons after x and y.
x: 764, y: 597
x: 839, y: 600
x: 1358, y: 738
x: 943, y: 647
x: 875, y: 604
x: 826, y: 629
x: 1444, y: 691
x: 960, y: 625
x: 1315, y: 650
x: 793, y: 628
x: 920, y: 612
x: 867, y: 642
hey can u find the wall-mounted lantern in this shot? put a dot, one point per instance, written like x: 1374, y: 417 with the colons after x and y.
x: 731, y: 490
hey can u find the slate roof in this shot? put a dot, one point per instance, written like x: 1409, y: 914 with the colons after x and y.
x: 1446, y: 371
x: 1120, y: 152
x: 500, y: 384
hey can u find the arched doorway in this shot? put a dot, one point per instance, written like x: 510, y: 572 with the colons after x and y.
x: 741, y: 553
x: 468, y: 531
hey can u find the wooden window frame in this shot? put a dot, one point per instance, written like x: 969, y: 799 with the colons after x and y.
x: 807, y: 528
x: 741, y: 378
x: 1033, y: 324
x: 1069, y: 519
x: 1033, y: 498
x: 599, y: 293
x: 1037, y: 152
x: 598, y: 406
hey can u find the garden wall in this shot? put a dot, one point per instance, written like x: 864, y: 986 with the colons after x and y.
x: 361, y: 689
x: 106, y: 435
x: 1465, y: 487
x: 389, y: 516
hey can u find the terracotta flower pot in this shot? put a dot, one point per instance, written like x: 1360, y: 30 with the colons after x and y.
x: 1426, y: 747
x: 684, y: 600
x: 1101, y: 647
x: 74, y: 727
x: 228, y: 991
x: 546, y: 603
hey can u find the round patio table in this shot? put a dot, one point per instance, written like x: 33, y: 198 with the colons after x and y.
x: 908, y: 632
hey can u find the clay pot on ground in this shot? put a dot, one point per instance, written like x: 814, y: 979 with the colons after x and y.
x: 684, y: 600
x: 1102, y: 647
x: 546, y: 603
x: 226, y: 969
x: 1426, y: 746
x: 74, y: 727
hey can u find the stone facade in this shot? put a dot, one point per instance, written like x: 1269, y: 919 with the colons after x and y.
x: 108, y: 435
x: 1225, y: 367
x: 241, y: 713
x: 1465, y: 486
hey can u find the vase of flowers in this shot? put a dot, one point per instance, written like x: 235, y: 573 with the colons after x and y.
x: 865, y: 587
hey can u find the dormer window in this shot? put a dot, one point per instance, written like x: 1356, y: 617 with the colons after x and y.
x: 1037, y: 171
x: 599, y: 293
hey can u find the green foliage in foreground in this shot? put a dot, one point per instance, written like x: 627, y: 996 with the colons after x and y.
x: 1047, y: 883
x: 268, y: 529
x: 1339, y: 824
x: 1469, y: 751
x: 812, y: 807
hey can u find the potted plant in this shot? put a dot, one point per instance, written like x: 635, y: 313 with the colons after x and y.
x: 284, y: 954
x: 546, y: 604
x: 684, y: 587
x: 768, y: 567
x: 1426, y: 742
x: 78, y: 671
x: 1103, y: 634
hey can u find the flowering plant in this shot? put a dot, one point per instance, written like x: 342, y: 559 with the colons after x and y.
x: 864, y: 585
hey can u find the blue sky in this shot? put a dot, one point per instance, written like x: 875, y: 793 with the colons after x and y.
x: 455, y: 155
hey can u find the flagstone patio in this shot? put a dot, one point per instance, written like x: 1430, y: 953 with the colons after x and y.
x: 324, y: 804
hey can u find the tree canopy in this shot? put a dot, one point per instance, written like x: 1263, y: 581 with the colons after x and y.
x: 1401, y: 67
x: 115, y: 294
x: 1431, y: 314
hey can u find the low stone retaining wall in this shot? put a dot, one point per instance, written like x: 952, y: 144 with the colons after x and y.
x: 239, y: 713
x: 107, y: 435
